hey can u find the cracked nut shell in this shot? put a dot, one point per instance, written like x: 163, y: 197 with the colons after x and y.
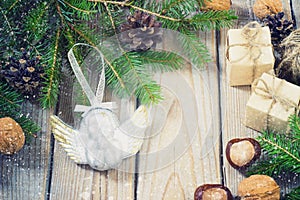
x: 242, y: 152
x: 217, y: 5
x: 263, y: 8
x: 212, y: 192
x: 12, y: 138
x: 259, y: 187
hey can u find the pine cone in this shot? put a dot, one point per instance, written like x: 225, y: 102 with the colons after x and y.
x: 140, y: 32
x: 24, y: 74
x: 280, y: 28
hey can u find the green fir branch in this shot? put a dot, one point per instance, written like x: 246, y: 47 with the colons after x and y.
x: 209, y: 20
x: 266, y: 167
x: 10, y: 104
x: 145, y: 89
x: 148, y: 93
x: 50, y: 91
x: 282, y: 153
x: 37, y: 22
x: 43, y: 21
x: 130, y: 68
x: 293, y: 194
x: 175, y: 7
x: 194, y: 49
x: 162, y: 61
x: 29, y: 127
x: 9, y: 99
x: 83, y: 9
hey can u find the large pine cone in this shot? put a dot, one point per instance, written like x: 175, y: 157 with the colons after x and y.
x: 280, y: 28
x: 140, y: 33
x: 24, y: 74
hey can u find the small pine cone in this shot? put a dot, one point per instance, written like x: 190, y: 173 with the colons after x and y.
x: 280, y: 28
x: 263, y: 8
x: 24, y: 74
x: 140, y: 33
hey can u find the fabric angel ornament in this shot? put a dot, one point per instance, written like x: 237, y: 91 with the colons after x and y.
x: 101, y: 141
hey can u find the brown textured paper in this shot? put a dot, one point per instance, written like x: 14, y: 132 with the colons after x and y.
x: 242, y: 68
x: 267, y: 113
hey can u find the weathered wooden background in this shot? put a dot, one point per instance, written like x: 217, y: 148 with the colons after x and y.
x: 43, y: 170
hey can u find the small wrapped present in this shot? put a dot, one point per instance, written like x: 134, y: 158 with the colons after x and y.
x: 249, y: 54
x: 271, y: 103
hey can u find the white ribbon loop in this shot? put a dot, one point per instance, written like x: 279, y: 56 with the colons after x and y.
x: 95, y: 100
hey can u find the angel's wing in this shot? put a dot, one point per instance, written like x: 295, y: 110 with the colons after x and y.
x: 68, y: 138
x: 130, y: 134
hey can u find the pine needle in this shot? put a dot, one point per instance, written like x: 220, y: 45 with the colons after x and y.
x: 10, y: 104
x: 282, y: 154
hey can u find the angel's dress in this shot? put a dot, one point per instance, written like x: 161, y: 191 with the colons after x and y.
x: 101, y: 141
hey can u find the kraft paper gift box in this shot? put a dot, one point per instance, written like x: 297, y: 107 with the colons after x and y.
x: 249, y: 54
x: 271, y: 103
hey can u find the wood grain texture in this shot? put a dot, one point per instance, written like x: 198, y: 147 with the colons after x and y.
x: 24, y: 175
x: 200, y: 162
x: 220, y: 117
x: 296, y: 11
x: 234, y: 99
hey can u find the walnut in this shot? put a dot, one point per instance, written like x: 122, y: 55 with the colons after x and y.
x: 259, y: 187
x: 217, y: 5
x: 12, y: 138
x: 263, y: 8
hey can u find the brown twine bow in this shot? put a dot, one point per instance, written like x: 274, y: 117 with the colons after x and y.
x: 270, y: 92
x: 250, y: 32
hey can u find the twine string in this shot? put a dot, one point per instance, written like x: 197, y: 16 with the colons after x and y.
x: 291, y: 57
x: 250, y: 32
x: 270, y: 92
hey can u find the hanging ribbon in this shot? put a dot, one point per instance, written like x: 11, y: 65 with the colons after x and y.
x: 95, y: 100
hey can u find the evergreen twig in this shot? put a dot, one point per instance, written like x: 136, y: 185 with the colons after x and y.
x: 282, y: 153
x: 50, y: 92
x: 51, y: 26
x: 10, y: 104
x: 293, y: 194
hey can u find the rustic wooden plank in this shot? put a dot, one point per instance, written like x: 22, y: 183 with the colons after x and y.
x: 234, y: 99
x: 296, y: 11
x: 72, y: 181
x: 200, y: 163
x: 24, y: 174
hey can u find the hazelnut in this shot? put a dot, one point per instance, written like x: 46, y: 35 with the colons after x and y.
x: 12, y: 137
x: 259, y: 187
x: 242, y: 152
x: 212, y: 192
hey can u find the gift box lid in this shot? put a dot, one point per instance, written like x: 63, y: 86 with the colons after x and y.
x: 259, y: 46
x: 274, y: 96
